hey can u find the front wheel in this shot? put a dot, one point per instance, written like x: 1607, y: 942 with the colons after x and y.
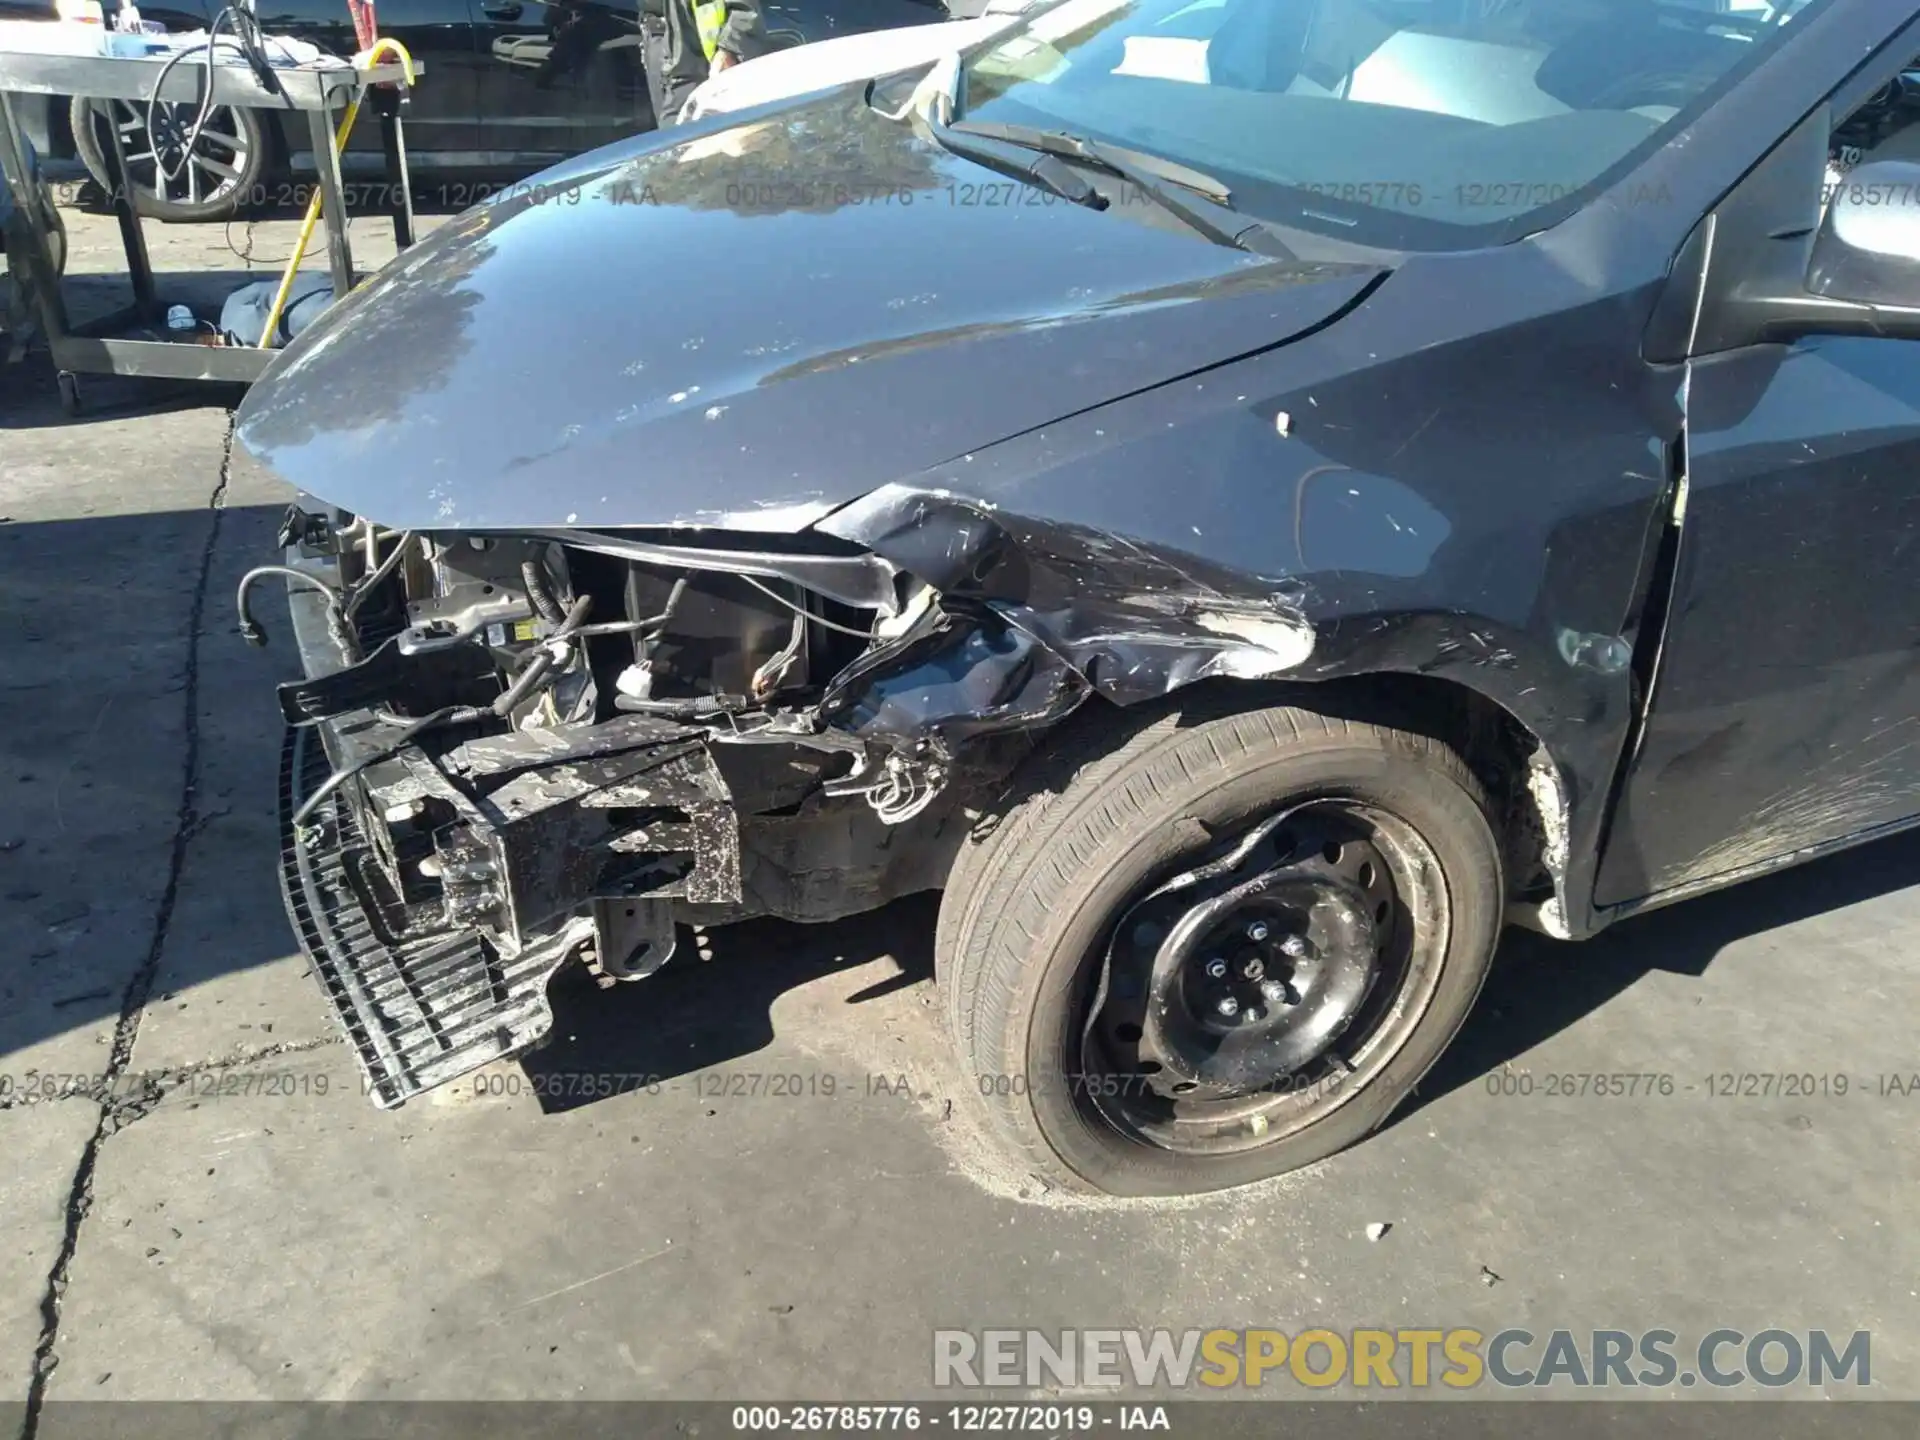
x: 1219, y: 947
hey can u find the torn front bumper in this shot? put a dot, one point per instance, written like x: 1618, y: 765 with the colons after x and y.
x: 436, y: 894
x: 417, y: 1015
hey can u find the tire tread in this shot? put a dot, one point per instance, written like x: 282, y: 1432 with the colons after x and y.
x: 1096, y: 784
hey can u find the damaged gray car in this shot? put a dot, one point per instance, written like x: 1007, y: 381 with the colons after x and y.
x: 1247, y: 497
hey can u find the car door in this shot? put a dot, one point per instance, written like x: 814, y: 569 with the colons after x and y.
x: 800, y: 22
x: 558, y: 78
x: 1785, y: 707
x: 442, y: 116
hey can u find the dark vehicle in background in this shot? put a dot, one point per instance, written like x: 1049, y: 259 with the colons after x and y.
x: 1246, y: 507
x: 512, y: 86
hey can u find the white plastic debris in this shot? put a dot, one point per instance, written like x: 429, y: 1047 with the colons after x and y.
x: 636, y: 681
x: 1377, y: 1229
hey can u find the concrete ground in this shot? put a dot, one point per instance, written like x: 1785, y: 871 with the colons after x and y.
x: 196, y: 1202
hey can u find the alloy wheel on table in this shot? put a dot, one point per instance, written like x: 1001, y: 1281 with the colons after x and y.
x: 161, y: 163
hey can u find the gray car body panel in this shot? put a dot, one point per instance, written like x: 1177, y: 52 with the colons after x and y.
x: 1145, y: 452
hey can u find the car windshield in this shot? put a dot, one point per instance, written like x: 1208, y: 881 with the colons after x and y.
x: 1405, y: 123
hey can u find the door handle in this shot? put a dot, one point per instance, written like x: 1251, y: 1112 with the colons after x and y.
x: 502, y: 9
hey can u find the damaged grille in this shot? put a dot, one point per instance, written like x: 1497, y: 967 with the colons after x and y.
x: 418, y: 1014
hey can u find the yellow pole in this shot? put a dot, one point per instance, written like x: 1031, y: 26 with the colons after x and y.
x: 374, y: 51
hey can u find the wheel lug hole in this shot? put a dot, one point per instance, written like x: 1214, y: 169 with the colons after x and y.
x: 1227, y: 1006
x: 1216, y: 969
x: 1258, y: 931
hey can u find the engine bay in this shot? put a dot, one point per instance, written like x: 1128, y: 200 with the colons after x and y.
x: 556, y: 746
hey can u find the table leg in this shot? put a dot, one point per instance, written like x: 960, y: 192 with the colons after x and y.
x: 113, y: 154
x: 393, y: 141
x: 333, y: 207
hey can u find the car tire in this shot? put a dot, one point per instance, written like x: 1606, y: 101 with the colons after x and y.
x: 1112, y: 811
x: 222, y: 177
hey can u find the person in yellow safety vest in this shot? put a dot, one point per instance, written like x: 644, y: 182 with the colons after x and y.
x: 709, y: 18
x: 687, y: 40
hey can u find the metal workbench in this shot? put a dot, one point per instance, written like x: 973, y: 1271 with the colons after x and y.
x: 322, y: 91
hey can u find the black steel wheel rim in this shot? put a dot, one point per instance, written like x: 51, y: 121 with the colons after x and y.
x: 1257, y: 991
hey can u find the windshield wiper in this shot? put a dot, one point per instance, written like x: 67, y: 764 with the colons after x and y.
x: 1044, y: 169
x: 1149, y: 174
x: 1059, y: 142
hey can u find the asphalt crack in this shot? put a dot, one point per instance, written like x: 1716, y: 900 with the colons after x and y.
x: 114, y: 1116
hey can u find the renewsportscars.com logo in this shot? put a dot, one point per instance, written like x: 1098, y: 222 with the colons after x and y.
x: 1459, y: 1359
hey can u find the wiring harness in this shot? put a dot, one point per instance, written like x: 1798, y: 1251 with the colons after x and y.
x: 248, y: 43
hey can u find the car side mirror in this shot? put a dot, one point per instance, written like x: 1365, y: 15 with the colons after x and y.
x: 1867, y: 251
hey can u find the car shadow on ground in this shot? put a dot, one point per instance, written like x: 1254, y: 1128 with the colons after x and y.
x: 713, y: 1002
x: 1539, y: 987
x: 699, y: 1013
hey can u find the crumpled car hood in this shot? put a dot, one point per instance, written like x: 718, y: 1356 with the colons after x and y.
x: 745, y: 330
